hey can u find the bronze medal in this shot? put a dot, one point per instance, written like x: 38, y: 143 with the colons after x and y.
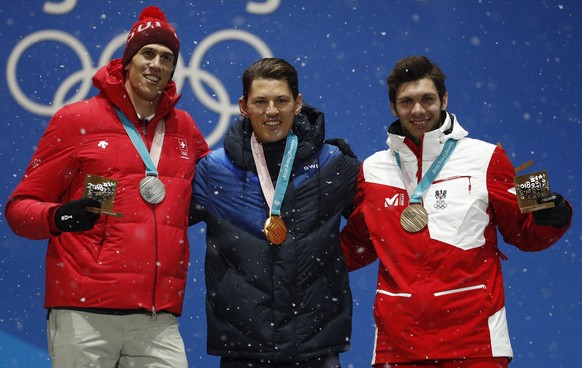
x: 275, y: 230
x: 152, y: 189
x: 414, y: 218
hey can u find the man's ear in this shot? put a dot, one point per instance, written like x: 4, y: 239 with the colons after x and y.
x: 393, y: 108
x: 445, y: 101
x: 298, y: 104
x: 242, y: 106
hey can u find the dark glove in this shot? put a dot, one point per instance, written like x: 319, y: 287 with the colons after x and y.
x: 342, y: 145
x: 73, y: 216
x: 559, y: 216
x: 197, y: 212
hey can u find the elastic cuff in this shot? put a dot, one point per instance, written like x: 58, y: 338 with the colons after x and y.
x: 53, y: 229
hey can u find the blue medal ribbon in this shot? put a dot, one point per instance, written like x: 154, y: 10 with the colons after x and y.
x: 432, y: 172
x: 138, y: 143
x: 284, y: 173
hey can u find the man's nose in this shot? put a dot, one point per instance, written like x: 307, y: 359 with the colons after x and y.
x: 271, y: 109
x: 156, y: 62
x: 417, y: 108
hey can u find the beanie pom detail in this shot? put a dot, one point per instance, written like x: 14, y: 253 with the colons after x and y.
x: 153, y: 12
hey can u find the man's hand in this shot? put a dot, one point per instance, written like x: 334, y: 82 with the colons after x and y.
x: 342, y: 145
x: 73, y: 216
x: 559, y: 216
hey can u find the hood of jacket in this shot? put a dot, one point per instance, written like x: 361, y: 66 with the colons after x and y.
x: 110, y: 81
x: 308, y: 126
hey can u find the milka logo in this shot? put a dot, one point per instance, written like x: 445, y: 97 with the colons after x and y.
x: 395, y: 200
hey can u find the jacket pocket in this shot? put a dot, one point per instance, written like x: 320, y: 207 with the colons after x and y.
x: 457, y: 211
x: 404, y: 295
x: 460, y: 290
x: 456, y: 311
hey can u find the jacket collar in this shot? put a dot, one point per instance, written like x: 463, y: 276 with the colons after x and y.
x: 109, y: 80
x: 433, y: 141
x: 309, y: 126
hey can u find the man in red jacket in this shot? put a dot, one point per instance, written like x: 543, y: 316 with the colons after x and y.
x: 429, y: 209
x: 116, y: 275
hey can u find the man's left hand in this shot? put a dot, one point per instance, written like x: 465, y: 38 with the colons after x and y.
x: 559, y: 216
x: 343, y: 146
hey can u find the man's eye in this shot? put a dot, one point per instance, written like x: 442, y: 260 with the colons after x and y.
x: 167, y: 58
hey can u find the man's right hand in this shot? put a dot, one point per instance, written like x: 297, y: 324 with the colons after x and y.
x: 72, y: 216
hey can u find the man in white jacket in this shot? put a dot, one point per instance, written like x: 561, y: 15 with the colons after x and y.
x: 429, y: 208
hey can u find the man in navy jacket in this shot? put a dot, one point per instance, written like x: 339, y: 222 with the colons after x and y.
x: 277, y: 286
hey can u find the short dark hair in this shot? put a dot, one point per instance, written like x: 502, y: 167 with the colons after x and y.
x: 270, y: 68
x: 413, y: 68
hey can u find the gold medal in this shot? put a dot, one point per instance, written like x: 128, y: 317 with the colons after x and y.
x: 275, y: 230
x: 152, y: 189
x: 414, y: 218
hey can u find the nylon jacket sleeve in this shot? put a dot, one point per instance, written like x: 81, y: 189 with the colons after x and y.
x: 198, y: 201
x: 30, y: 208
x: 516, y: 228
x: 355, y: 239
x: 348, y: 166
x: 201, y: 145
x: 353, y: 182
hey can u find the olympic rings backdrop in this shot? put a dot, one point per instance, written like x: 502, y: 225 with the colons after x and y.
x: 514, y: 76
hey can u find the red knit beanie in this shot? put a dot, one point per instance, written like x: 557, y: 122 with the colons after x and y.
x: 152, y: 27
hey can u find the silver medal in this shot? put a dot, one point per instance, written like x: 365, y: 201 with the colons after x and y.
x: 152, y: 189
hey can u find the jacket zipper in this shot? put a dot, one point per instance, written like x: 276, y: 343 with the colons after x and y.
x: 144, y: 126
x: 156, y: 268
x: 460, y: 290
x: 404, y: 295
x: 468, y: 177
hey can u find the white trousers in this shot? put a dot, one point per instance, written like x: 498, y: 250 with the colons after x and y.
x: 80, y: 339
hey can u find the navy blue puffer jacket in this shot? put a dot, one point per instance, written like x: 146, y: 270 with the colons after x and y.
x: 283, y: 303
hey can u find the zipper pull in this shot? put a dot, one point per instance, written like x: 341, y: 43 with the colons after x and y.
x: 154, y: 314
x: 144, y: 126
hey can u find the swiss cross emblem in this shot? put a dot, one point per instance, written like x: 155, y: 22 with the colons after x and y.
x: 183, y: 147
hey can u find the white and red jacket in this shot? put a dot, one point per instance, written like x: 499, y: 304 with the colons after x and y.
x: 135, y: 262
x: 440, y: 291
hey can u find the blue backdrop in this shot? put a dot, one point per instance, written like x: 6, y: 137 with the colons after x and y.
x: 515, y: 75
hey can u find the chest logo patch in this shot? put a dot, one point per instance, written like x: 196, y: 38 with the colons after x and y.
x: 395, y: 200
x: 183, y: 148
x: 440, y: 196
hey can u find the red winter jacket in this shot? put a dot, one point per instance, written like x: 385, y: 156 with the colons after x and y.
x: 440, y: 290
x: 139, y: 261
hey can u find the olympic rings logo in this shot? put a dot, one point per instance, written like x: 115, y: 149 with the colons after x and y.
x: 220, y: 104
x: 253, y: 7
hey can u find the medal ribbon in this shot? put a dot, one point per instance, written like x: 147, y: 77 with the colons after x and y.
x: 274, y: 196
x: 152, y: 158
x: 432, y: 172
